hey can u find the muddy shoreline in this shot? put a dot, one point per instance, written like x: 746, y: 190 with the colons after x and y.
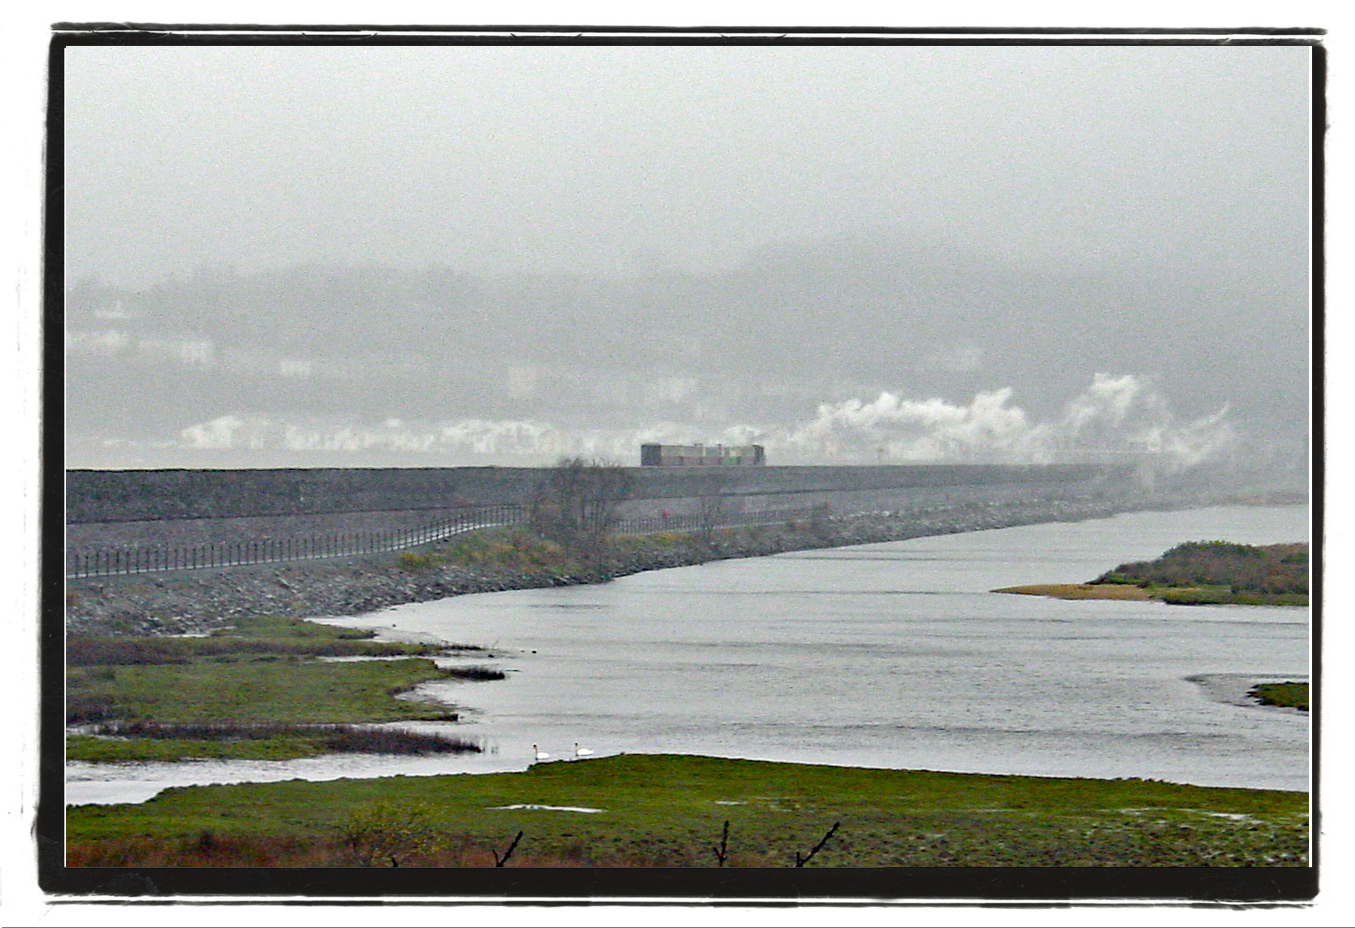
x: 1231, y: 689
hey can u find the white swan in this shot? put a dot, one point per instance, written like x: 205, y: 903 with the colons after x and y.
x: 540, y: 754
x: 581, y: 752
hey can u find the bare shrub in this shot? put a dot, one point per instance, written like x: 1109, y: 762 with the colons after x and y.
x: 388, y: 834
x: 576, y: 505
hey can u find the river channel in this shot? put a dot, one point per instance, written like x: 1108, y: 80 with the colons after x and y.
x: 887, y: 655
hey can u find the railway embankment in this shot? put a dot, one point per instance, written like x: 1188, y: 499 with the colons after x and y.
x: 186, y: 602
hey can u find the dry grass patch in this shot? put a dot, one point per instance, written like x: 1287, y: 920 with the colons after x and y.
x: 1081, y: 591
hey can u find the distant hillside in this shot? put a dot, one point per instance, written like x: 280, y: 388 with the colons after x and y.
x: 344, y: 358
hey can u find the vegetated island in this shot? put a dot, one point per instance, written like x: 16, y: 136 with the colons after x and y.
x: 259, y: 690
x: 1290, y: 695
x: 1199, y: 573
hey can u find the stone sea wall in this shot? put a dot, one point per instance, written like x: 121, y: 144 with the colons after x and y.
x: 143, y: 495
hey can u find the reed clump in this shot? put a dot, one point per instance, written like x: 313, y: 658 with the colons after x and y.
x: 347, y: 739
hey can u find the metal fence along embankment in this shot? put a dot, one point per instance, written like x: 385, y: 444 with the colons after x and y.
x: 140, y: 559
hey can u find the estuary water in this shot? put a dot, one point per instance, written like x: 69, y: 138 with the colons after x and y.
x: 888, y: 655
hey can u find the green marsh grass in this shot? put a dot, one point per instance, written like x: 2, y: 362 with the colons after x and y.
x: 287, y: 690
x: 261, y: 672
x: 1286, y: 695
x: 668, y: 810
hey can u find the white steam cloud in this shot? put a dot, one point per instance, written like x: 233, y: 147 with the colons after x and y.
x: 1116, y: 419
x: 1116, y: 416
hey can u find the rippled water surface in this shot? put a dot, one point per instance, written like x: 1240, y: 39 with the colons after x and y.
x: 886, y: 655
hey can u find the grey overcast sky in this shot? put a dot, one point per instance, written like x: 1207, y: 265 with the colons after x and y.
x: 596, y: 159
x: 315, y: 255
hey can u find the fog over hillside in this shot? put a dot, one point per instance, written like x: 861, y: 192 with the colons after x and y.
x: 925, y: 254
x: 854, y: 351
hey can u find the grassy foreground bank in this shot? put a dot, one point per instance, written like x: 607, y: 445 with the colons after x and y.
x: 670, y: 810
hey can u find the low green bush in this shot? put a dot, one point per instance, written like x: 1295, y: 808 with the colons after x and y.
x: 1287, y: 695
x: 1244, y: 569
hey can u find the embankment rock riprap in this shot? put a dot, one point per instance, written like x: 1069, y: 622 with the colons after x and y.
x: 186, y: 602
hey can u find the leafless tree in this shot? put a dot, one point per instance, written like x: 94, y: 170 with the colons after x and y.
x: 577, y: 503
x: 713, y: 507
